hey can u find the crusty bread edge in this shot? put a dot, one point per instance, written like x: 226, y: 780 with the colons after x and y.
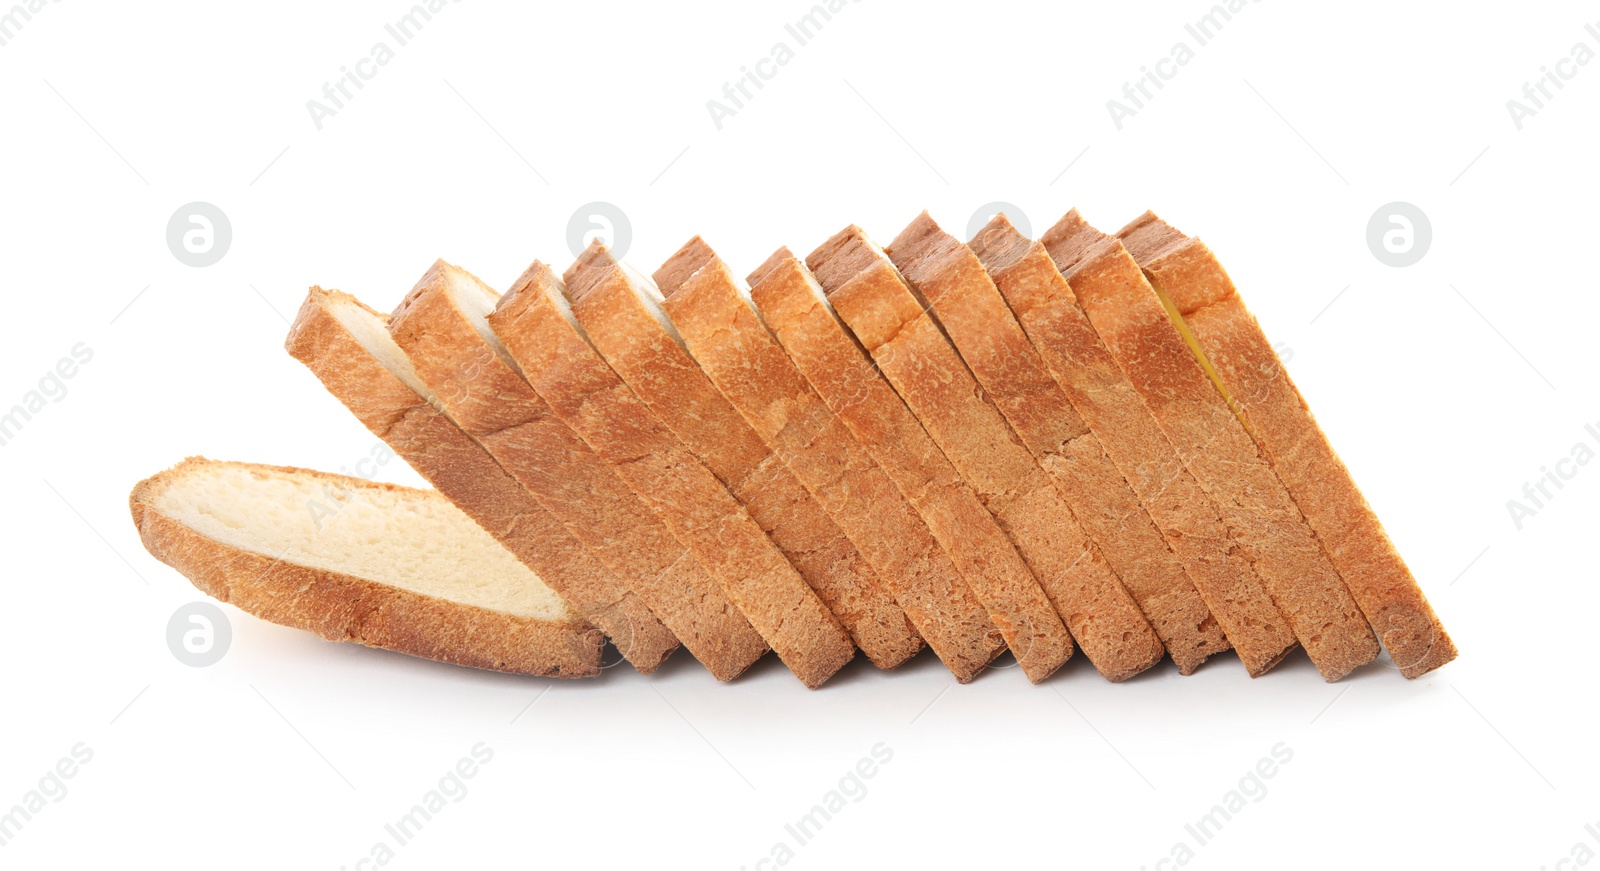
x: 341, y: 607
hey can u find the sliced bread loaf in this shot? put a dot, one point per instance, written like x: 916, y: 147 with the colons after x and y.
x: 893, y: 323
x: 1196, y: 287
x: 735, y: 377
x: 536, y: 324
x: 394, y: 568
x: 620, y: 310
x: 1047, y: 309
x: 347, y: 346
x: 1261, y: 516
x: 442, y: 326
x: 975, y: 317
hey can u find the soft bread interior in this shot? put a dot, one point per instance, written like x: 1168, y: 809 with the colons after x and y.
x: 411, y: 539
x: 644, y: 287
x: 372, y: 332
x: 744, y: 291
x: 477, y: 300
x: 555, y: 290
x: 650, y: 297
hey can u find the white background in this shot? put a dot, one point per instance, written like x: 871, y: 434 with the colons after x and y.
x: 479, y: 141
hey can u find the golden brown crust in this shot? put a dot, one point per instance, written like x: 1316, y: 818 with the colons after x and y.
x: 997, y: 351
x: 455, y: 464
x: 1045, y: 305
x: 1281, y: 422
x: 1261, y: 516
x: 857, y: 488
x: 735, y: 352
x: 1073, y: 581
x: 491, y: 401
x: 590, y: 397
x: 341, y: 607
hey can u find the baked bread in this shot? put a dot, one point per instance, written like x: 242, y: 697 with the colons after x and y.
x: 744, y: 373
x: 442, y: 325
x: 1185, y: 272
x: 974, y: 316
x: 1046, y: 307
x: 537, y: 327
x: 624, y: 320
x: 347, y: 346
x: 391, y: 567
x: 1072, y: 577
x: 1081, y: 441
x: 1258, y: 510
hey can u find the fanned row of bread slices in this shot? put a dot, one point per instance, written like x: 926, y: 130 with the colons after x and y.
x: 1081, y: 443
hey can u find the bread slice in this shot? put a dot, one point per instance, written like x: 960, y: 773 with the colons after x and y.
x: 893, y: 324
x: 1257, y: 508
x: 733, y: 378
x: 394, y: 568
x: 1046, y: 307
x: 442, y: 325
x: 347, y: 346
x: 537, y: 327
x: 796, y: 311
x: 1238, y: 355
x: 623, y: 318
x: 975, y: 317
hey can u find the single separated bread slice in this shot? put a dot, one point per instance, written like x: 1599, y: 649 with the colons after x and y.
x: 1047, y: 308
x: 1239, y: 357
x: 347, y: 346
x: 620, y: 311
x: 1259, y: 512
x: 538, y: 328
x: 975, y: 317
x: 893, y: 323
x: 442, y: 326
x: 719, y: 328
x: 395, y: 568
